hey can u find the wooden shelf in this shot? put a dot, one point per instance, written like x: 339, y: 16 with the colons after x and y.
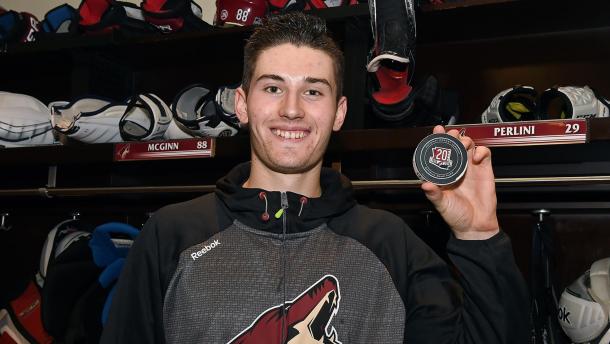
x: 475, y: 20
x: 450, y: 21
x: 346, y: 142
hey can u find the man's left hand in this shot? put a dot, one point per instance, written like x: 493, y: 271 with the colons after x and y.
x: 469, y: 205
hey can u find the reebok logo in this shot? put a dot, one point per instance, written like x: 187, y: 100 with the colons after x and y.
x: 204, y: 250
x: 564, y: 315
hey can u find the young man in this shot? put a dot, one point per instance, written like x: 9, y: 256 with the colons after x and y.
x: 281, y: 252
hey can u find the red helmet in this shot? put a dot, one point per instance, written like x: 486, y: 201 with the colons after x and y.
x: 240, y: 12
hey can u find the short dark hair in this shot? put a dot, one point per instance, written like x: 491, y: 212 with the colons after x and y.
x: 295, y: 28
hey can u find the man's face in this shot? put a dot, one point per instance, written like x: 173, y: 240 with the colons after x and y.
x: 291, y: 107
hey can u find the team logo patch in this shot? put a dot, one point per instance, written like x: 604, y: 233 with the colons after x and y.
x: 440, y: 159
x: 122, y: 153
x: 306, y: 319
x: 224, y: 14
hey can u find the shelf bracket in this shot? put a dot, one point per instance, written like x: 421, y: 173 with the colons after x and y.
x: 541, y: 213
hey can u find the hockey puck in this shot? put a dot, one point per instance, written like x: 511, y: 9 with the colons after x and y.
x: 440, y: 159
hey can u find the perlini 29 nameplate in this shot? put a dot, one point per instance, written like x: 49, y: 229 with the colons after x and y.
x: 547, y: 132
x: 173, y: 149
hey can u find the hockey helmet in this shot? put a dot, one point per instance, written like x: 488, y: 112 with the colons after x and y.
x: 585, y: 304
x: 514, y: 104
x: 572, y: 102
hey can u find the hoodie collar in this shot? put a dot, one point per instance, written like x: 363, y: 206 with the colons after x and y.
x: 247, y: 205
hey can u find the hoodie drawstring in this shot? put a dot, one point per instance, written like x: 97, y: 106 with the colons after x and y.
x: 265, y: 216
x: 263, y: 196
x: 303, y: 201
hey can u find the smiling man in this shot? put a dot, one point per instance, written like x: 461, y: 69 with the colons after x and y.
x: 282, y: 253
x: 292, y: 106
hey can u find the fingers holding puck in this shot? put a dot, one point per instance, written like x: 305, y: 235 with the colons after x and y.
x: 438, y: 129
x: 467, y: 142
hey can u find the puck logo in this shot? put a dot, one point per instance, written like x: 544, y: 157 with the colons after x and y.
x: 441, y: 158
x: 224, y: 14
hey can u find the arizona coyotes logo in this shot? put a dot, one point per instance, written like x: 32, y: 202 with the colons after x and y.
x: 441, y: 157
x: 224, y: 14
x: 307, y: 318
x: 124, y: 151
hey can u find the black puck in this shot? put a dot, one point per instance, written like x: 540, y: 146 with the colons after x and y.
x: 440, y: 159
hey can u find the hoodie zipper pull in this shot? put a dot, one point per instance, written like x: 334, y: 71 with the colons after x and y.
x: 284, y: 205
x: 279, y: 213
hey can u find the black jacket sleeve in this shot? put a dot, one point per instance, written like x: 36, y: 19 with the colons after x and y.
x: 481, y: 298
x: 494, y: 286
x: 137, y: 305
x: 484, y: 300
